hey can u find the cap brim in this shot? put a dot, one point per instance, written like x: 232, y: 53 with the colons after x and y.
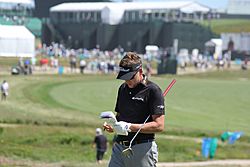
x: 126, y: 75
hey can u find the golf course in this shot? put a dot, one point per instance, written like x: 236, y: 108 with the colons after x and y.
x: 52, y: 118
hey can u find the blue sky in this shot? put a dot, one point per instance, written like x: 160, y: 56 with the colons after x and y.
x: 210, y: 3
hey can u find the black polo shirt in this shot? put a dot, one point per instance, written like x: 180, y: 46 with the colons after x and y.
x: 135, y: 104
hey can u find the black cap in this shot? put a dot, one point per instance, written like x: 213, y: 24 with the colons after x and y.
x: 127, y: 73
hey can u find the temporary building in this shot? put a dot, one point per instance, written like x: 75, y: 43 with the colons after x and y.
x: 16, y: 41
x: 113, y: 12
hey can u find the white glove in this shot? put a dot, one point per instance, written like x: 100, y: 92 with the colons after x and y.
x: 122, y: 128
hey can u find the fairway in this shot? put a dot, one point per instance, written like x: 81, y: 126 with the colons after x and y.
x: 202, y: 104
x: 60, y: 113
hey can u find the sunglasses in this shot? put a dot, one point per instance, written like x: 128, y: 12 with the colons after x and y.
x: 134, y: 75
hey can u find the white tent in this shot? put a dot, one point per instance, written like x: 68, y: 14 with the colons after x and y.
x: 16, y: 41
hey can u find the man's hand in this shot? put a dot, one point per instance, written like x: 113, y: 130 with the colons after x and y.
x: 122, y: 128
x: 108, y: 128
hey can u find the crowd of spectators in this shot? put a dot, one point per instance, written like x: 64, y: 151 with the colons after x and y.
x: 95, y: 60
x: 57, y: 57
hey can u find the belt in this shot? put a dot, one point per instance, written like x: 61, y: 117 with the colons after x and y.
x: 127, y: 142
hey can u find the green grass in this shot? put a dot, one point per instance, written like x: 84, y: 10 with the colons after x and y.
x: 55, y: 116
x: 228, y: 25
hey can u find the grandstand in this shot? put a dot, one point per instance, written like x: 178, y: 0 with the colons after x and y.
x: 20, y: 12
x: 132, y: 25
x: 115, y: 13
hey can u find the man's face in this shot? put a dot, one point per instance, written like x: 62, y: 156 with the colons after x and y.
x: 135, y: 79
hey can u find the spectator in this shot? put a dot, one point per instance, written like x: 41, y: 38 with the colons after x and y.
x: 72, y: 63
x: 21, y: 64
x: 44, y: 64
x: 148, y: 69
x: 100, y: 143
x: 244, y: 63
x: 4, y: 90
x: 27, y: 67
x: 82, y: 65
x: 33, y: 62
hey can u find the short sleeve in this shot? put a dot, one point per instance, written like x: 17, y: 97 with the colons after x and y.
x: 117, y: 100
x: 156, y: 101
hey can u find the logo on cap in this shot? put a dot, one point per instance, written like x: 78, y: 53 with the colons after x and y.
x: 124, y: 70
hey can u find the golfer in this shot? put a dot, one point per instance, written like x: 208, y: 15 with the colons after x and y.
x: 137, y: 99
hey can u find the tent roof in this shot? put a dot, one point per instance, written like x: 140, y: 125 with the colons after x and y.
x: 217, y: 41
x: 194, y: 7
x: 184, y: 6
x: 16, y: 32
x: 98, y: 6
x: 18, y: 1
x: 210, y: 44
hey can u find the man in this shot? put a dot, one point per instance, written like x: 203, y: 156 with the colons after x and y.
x: 137, y: 99
x: 4, y: 89
x: 82, y: 65
x: 100, y: 142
